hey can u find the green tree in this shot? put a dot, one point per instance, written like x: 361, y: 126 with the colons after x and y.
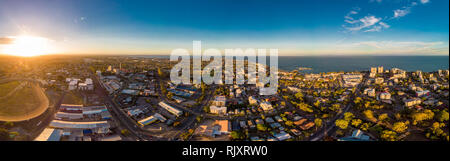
x: 318, y: 122
x: 170, y: 95
x: 348, y: 116
x: 399, y: 127
x: 299, y: 96
x: 365, y: 126
x: 356, y: 122
x: 289, y: 123
x: 199, y: 118
x: 388, y: 135
x: 305, y: 107
x: 442, y: 116
x: 237, y: 135
x: 4, y: 134
x: 369, y: 115
x: 125, y: 132
x: 261, y: 127
x: 421, y: 116
x: 383, y: 117
x: 341, y: 123
x: 9, y: 124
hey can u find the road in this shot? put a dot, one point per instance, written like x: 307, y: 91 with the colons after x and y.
x: 117, y: 112
x: 45, y: 122
x: 330, y: 127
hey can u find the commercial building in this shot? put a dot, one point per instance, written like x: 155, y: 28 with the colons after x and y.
x: 171, y: 109
x: 96, y: 126
x: 49, y: 134
x: 147, y: 121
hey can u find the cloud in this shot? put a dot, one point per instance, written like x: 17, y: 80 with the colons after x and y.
x: 6, y: 40
x: 395, y: 47
x: 407, y: 9
x: 400, y: 45
x: 401, y: 12
x: 368, y: 23
x: 424, y: 1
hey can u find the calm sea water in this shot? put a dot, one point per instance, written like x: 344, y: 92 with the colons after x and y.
x: 358, y: 63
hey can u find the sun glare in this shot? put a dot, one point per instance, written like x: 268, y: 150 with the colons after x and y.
x: 27, y: 46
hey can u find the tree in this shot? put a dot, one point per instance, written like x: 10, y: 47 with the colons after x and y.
x: 348, y: 116
x: 299, y: 96
x: 198, y: 118
x: 4, y: 134
x: 317, y: 103
x: 442, y: 116
x: 170, y: 95
x: 305, y: 107
x: 9, y: 124
x: 356, y: 122
x: 364, y: 126
x: 125, y: 132
x: 318, y: 122
x: 388, y: 135
x: 237, y: 135
x: 383, y: 117
x: 341, y: 123
x: 369, y: 115
x: 261, y: 127
x: 289, y: 123
x: 421, y: 116
x: 399, y: 127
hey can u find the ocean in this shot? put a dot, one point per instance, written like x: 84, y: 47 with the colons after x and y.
x: 320, y: 64
x: 363, y: 63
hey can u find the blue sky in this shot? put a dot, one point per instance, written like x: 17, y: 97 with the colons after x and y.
x: 319, y: 27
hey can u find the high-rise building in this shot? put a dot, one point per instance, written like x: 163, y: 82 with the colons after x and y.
x: 373, y: 70
x: 380, y: 69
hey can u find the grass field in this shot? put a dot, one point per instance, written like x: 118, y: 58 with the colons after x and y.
x: 5, y: 88
x: 26, y: 103
x: 72, y: 98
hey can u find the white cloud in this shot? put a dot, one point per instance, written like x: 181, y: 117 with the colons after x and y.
x: 424, y: 1
x: 401, y: 12
x: 395, y: 47
x: 407, y: 9
x: 399, y: 45
x: 367, y: 24
x: 384, y: 25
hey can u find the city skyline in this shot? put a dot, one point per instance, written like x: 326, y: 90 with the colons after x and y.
x: 368, y: 27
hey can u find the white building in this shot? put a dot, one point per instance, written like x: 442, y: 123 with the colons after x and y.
x: 379, y: 80
x: 220, y: 101
x: 218, y: 110
x: 370, y: 92
x: 252, y: 100
x: 412, y: 102
x: 385, y: 96
x: 266, y: 106
x: 73, y: 84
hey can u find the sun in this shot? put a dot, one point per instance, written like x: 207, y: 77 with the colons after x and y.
x: 27, y: 46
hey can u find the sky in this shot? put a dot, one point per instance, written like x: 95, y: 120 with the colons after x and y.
x: 295, y: 27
